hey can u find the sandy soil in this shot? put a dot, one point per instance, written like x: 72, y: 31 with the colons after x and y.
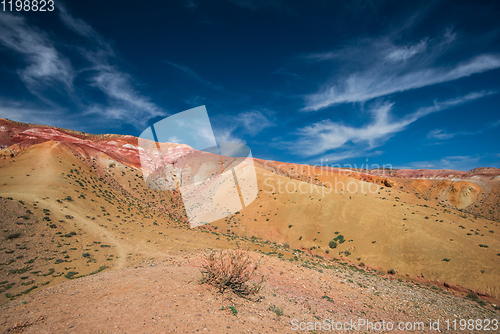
x: 164, y: 296
x: 86, y: 246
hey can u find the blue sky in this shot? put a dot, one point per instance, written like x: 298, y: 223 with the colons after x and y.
x: 408, y: 84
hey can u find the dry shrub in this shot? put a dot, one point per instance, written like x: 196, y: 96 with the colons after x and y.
x: 233, y: 270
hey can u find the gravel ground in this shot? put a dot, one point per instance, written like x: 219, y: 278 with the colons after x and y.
x: 164, y: 296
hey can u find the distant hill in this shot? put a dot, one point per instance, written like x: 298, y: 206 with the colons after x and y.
x: 75, y: 204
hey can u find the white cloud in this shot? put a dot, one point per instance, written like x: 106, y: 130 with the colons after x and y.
x: 252, y: 121
x: 175, y: 140
x: 230, y: 129
x: 226, y: 136
x: 440, y: 134
x: 117, y: 86
x: 441, y: 105
x: 29, y: 113
x: 46, y: 66
x: 405, y: 52
x: 350, y: 141
x: 326, y: 135
x: 77, y: 25
x: 125, y: 102
x: 383, y: 81
x: 377, y: 68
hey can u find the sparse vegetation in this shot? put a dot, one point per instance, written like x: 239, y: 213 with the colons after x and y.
x: 472, y: 296
x: 14, y: 236
x: 231, y: 269
x: 328, y: 298
x: 232, y: 308
x: 70, y: 274
x: 276, y: 309
x: 226, y: 270
x: 25, y: 292
x: 339, y: 238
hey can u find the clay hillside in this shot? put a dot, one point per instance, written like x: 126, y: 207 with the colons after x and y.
x: 87, y: 246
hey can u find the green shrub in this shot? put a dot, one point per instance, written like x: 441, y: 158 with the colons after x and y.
x: 339, y: 238
x: 276, y: 309
x: 472, y: 296
x: 70, y: 274
x: 328, y: 298
x: 232, y: 308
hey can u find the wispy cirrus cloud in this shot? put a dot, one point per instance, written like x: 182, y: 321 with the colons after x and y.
x: 337, y: 141
x: 77, y: 25
x: 48, y: 69
x: 380, y: 68
x: 441, y: 105
x: 441, y: 134
x: 248, y: 123
x: 326, y: 135
x: 406, y: 52
x: 252, y: 121
x: 367, y: 86
x: 25, y: 112
x: 117, y: 87
x: 46, y: 66
x: 124, y: 102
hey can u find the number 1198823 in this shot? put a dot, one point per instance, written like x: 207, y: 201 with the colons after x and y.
x: 28, y: 5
